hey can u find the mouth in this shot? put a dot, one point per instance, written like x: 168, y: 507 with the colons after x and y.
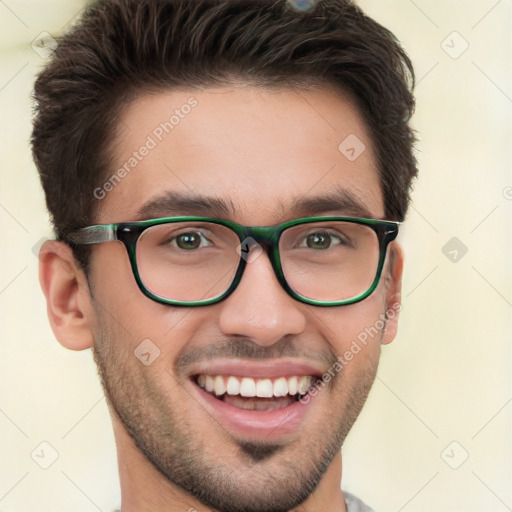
x: 256, y: 394
x: 252, y: 401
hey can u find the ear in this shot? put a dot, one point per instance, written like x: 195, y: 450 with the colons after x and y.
x: 393, y: 291
x: 67, y: 295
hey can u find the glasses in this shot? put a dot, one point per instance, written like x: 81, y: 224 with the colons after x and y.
x: 198, y: 261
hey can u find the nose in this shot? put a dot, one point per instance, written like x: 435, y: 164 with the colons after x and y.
x: 260, y: 308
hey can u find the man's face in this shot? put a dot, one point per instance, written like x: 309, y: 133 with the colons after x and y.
x: 262, y: 154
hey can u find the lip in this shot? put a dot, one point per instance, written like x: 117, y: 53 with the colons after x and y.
x: 248, y: 424
x: 255, y: 369
x: 254, y: 425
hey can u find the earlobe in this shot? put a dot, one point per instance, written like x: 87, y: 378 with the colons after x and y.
x: 67, y: 295
x: 393, y: 292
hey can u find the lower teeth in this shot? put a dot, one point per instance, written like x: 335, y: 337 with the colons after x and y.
x: 258, y: 404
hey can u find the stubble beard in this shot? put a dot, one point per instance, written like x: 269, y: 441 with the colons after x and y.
x: 268, y: 477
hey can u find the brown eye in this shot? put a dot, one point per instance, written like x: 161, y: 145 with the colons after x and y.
x: 318, y: 241
x: 189, y: 241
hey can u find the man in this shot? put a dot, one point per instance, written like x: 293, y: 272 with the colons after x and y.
x: 251, y: 161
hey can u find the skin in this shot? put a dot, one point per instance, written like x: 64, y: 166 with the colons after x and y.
x: 263, y: 151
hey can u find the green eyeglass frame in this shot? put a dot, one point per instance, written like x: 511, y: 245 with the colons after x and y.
x: 267, y: 236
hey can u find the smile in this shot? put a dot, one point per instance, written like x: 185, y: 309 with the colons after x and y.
x: 257, y: 401
x: 255, y: 394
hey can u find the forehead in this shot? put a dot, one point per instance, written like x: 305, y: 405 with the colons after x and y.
x: 259, y: 155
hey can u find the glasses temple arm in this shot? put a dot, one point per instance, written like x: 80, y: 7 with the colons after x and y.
x: 94, y: 234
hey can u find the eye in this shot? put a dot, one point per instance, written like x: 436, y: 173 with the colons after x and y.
x: 321, y: 240
x: 189, y: 240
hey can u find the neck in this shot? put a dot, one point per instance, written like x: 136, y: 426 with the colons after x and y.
x: 145, y: 489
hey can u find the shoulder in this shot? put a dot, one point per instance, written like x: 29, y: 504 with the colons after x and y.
x: 354, y: 504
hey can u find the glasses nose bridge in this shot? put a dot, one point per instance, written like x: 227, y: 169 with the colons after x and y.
x: 264, y: 236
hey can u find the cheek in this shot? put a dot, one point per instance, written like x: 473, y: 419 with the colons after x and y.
x: 137, y: 318
x: 356, y: 330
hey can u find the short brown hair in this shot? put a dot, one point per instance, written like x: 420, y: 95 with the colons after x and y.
x: 121, y: 48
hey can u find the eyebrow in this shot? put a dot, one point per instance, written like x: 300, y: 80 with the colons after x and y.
x: 338, y: 201
x: 174, y: 203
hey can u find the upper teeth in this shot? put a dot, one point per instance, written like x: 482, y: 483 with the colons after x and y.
x: 249, y: 387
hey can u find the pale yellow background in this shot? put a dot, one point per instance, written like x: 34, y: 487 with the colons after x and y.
x: 445, y: 378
